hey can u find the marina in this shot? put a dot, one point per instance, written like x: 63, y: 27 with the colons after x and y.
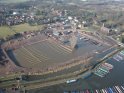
x: 94, y: 81
x: 103, y: 69
x: 119, y: 56
x: 114, y: 89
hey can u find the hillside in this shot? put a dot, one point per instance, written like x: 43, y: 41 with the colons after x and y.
x: 12, y: 1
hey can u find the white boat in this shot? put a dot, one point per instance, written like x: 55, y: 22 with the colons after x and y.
x: 119, y: 89
x: 122, y: 55
x: 116, y: 59
x: 97, y: 91
x: 71, y: 81
x: 99, y: 74
x: 122, y: 87
x: 122, y: 52
x: 107, y: 64
x: 121, y: 58
x: 103, y: 91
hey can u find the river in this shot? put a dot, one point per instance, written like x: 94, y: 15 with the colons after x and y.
x: 115, y: 77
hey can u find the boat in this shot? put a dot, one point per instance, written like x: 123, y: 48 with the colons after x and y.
x: 122, y: 88
x: 116, y: 91
x: 102, y: 72
x: 87, y: 91
x: 119, y: 90
x: 104, y: 69
x: 121, y: 58
x: 115, y: 58
x: 109, y: 65
x: 96, y: 91
x: 121, y: 55
x: 99, y: 74
x: 108, y: 90
x: 122, y: 52
x: 71, y: 81
x: 111, y: 90
x: 103, y: 91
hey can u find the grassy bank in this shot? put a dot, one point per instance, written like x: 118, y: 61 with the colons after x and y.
x: 5, y: 30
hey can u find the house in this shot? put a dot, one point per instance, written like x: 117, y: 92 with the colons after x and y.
x: 56, y: 33
x: 67, y: 27
x: 67, y: 32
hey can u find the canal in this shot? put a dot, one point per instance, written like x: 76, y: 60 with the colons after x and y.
x: 115, y: 77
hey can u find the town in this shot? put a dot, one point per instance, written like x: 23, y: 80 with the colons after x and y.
x: 55, y: 43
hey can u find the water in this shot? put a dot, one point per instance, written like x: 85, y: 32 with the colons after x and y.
x: 115, y: 77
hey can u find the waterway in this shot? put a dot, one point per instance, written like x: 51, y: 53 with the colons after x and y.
x: 115, y: 77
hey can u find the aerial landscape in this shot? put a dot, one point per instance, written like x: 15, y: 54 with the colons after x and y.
x: 61, y: 46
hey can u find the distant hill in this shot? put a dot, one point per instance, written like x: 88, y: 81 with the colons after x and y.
x: 101, y: 1
x: 12, y: 1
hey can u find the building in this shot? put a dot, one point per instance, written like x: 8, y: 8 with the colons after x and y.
x: 73, y: 41
x: 105, y: 30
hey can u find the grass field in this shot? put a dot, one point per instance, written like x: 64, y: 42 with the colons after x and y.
x: 5, y: 30
x: 12, y: 1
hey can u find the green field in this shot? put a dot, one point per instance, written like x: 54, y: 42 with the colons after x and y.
x: 12, y: 1
x: 5, y: 30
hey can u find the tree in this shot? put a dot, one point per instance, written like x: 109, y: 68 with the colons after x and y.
x: 38, y: 12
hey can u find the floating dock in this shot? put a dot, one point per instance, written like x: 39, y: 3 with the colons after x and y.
x: 119, y: 56
x: 114, y: 89
x: 103, y: 69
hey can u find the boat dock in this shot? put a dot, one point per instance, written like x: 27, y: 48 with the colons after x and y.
x: 119, y: 56
x: 103, y: 69
x: 114, y: 89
